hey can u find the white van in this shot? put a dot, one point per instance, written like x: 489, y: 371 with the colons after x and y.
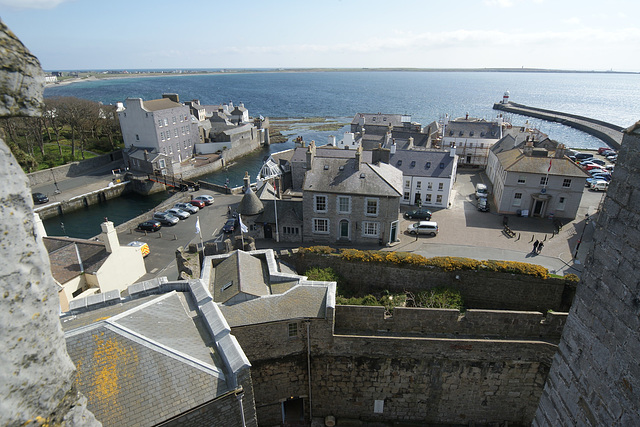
x: 481, y: 191
x: 423, y: 227
x: 600, y: 185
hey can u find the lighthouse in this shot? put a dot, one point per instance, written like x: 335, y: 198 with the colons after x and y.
x: 505, y: 98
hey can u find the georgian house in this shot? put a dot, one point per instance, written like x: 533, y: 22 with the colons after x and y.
x: 472, y: 138
x: 535, y: 182
x: 428, y: 176
x: 346, y: 200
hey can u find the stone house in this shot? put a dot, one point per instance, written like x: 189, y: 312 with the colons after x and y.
x: 381, y: 130
x: 160, y: 126
x: 472, y: 138
x: 428, y: 176
x: 84, y: 267
x: 535, y: 182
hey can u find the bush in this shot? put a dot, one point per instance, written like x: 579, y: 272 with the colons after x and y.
x: 316, y: 250
x: 571, y: 278
x: 322, y: 274
x: 439, y: 298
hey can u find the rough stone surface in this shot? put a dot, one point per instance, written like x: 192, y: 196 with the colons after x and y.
x: 595, y: 376
x: 37, y: 374
x: 21, y: 78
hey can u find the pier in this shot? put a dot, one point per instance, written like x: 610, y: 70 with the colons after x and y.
x: 609, y: 133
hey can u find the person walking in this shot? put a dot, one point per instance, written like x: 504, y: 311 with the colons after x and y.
x: 540, y: 246
x: 535, y: 246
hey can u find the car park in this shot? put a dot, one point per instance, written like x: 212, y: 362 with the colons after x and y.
x: 230, y: 226
x: 423, y: 227
x: 583, y: 156
x: 179, y: 213
x: 151, y: 225
x: 483, y: 204
x: 39, y: 198
x: 187, y: 207
x: 481, y: 191
x: 165, y: 218
x: 197, y: 203
x: 144, y: 248
x: 205, y: 198
x: 419, y: 214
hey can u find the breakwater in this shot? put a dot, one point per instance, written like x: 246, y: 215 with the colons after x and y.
x: 609, y: 133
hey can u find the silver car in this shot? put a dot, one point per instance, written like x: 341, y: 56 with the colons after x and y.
x: 165, y: 218
x: 187, y: 207
x: 179, y: 213
x: 423, y: 227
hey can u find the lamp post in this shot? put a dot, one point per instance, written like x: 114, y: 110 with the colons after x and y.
x: 586, y: 222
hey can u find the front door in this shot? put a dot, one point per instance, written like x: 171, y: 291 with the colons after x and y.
x: 394, y: 232
x: 267, y: 231
x: 293, y: 412
x: 344, y: 229
x: 538, y: 205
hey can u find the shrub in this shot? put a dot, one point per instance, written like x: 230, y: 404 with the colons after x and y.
x: 316, y: 250
x: 571, y: 278
x: 439, y: 298
x: 322, y: 274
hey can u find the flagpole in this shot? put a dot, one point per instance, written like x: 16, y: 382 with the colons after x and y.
x: 242, y: 227
x: 199, y: 231
x: 275, y: 208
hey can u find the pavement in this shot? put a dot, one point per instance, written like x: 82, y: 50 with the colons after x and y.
x: 463, y: 230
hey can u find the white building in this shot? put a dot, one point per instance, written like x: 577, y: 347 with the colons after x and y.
x: 472, y: 138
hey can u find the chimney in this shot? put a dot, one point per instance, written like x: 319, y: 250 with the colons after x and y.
x: 452, y: 152
x: 393, y: 147
x: 380, y: 154
x: 358, y: 157
x: 172, y: 96
x: 311, y: 153
x: 560, y: 151
x: 109, y: 236
x: 410, y: 146
x: 528, y: 148
x: 146, y: 156
x: 466, y: 117
x: 332, y: 140
x: 246, y: 181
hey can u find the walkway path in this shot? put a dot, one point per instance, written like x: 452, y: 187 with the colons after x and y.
x: 611, y: 134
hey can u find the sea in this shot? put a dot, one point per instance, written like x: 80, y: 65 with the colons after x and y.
x: 337, y: 96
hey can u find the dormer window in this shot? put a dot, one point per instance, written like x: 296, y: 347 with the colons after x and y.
x: 399, y: 163
x: 413, y: 163
x: 450, y: 133
x: 441, y: 165
x: 471, y: 133
x: 461, y: 133
x: 428, y: 165
x: 326, y: 167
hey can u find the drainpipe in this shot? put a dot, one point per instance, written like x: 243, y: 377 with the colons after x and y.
x: 309, y: 368
x: 239, y: 397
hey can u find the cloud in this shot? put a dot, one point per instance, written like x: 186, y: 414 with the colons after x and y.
x: 32, y: 4
x: 572, y: 21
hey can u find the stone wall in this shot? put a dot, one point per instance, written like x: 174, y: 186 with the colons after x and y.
x: 595, y: 377
x: 359, y: 320
x: 79, y: 202
x: 480, y: 290
x: 59, y: 173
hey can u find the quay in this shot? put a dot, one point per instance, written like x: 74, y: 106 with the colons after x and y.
x: 609, y: 133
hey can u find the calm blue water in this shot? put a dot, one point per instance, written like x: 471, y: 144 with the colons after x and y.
x: 426, y: 96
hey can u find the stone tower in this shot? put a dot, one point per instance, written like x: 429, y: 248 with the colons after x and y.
x: 595, y: 375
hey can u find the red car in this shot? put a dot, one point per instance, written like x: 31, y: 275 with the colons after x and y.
x: 602, y: 150
x: 197, y: 203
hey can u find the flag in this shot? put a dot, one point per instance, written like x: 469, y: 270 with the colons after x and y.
x: 549, y: 166
x: 243, y: 227
x: 198, y: 225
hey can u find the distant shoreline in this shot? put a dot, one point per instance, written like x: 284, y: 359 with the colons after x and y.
x: 99, y: 75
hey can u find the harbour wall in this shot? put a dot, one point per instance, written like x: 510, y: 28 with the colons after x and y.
x: 75, y: 169
x: 609, y: 133
x: 83, y: 200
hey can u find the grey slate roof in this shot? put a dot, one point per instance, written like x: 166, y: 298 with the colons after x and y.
x: 331, y: 175
x: 239, y: 273
x: 330, y: 152
x: 423, y: 163
x: 378, y: 119
x: 160, y: 104
x: 63, y: 255
x: 250, y: 203
x: 146, y: 364
x: 301, y: 301
x: 515, y: 161
x: 472, y: 128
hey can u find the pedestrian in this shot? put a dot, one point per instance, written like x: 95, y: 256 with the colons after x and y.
x: 535, y: 246
x: 229, y: 210
x: 540, y: 247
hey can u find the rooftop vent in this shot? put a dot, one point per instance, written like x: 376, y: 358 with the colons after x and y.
x: 326, y: 167
x: 361, y: 176
x: 441, y: 165
x: 341, y: 168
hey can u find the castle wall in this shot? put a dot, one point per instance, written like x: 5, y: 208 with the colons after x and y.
x: 479, y: 289
x: 595, y: 377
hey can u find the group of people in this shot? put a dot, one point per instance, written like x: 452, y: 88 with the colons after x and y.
x: 537, y: 246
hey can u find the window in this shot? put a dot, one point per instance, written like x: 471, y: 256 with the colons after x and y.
x: 320, y: 204
x: 370, y: 229
x: 168, y: 134
x: 173, y: 120
x: 407, y: 183
x: 521, y: 180
x: 427, y: 198
x: 137, y: 137
x: 344, y: 204
x: 561, y: 203
x: 418, y: 184
x: 227, y: 286
x: 566, y: 183
x: 429, y: 186
x: 162, y: 164
x: 371, y: 206
x: 441, y: 165
x: 428, y: 165
x: 293, y: 330
x: 290, y: 230
x: 321, y: 226
x: 166, y: 122
x: 517, y: 199
x: 544, y: 180
x: 162, y: 135
x: 185, y: 117
x: 159, y: 123
x: 406, y: 195
x: 439, y: 199
x: 413, y: 164
x: 175, y: 133
x: 440, y: 186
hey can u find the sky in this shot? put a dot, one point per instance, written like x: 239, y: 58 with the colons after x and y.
x: 197, y: 34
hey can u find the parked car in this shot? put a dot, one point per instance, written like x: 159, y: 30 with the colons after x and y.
x: 596, y: 178
x: 165, y: 218
x: 596, y: 171
x: 610, y: 154
x: 187, y: 207
x: 230, y: 226
x: 144, y: 248
x: 583, y: 156
x: 592, y: 166
x: 151, y: 225
x: 423, y: 227
x: 599, y: 185
x: 586, y: 162
x: 198, y: 203
x: 598, y: 162
x: 603, y: 150
x: 481, y: 191
x: 419, y: 214
x: 39, y: 198
x: 179, y: 213
x: 207, y: 199
x: 483, y: 204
